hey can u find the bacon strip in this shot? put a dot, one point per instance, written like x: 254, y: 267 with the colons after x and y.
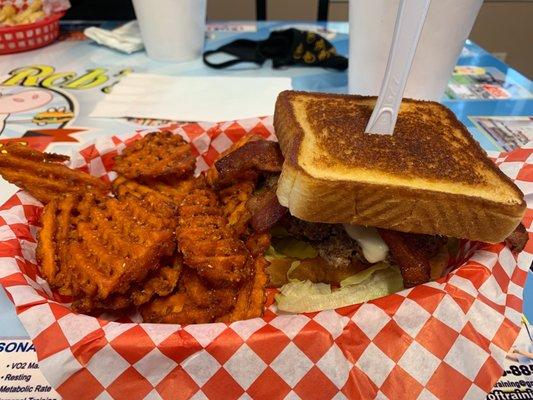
x: 414, y: 266
x: 265, y: 209
x: 256, y: 155
x: 518, y: 239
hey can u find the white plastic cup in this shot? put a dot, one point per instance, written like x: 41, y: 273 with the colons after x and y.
x: 447, y: 26
x: 172, y: 30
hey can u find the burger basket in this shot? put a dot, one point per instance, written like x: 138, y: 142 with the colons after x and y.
x: 24, y: 37
x: 445, y: 339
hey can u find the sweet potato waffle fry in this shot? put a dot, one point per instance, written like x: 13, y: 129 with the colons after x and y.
x: 159, y: 191
x: 124, y: 188
x: 175, y: 188
x: 158, y: 154
x: 92, y: 246
x: 42, y: 175
x: 251, y: 296
x: 194, y: 302
x: 234, y: 199
x: 159, y: 282
x: 250, y: 299
x: 208, y: 244
x: 208, y: 294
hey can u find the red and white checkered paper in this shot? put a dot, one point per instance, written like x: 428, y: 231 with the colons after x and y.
x: 445, y: 339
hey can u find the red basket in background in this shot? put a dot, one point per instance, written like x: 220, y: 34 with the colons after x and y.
x: 24, y: 37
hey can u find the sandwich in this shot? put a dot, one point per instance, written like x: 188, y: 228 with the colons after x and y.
x: 352, y: 216
x: 361, y: 204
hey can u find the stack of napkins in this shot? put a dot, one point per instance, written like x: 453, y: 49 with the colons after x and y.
x: 207, y: 99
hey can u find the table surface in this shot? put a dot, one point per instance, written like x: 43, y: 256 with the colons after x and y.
x: 493, y: 100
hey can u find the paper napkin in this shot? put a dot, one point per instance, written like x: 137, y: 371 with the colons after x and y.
x: 199, y: 98
x: 126, y: 38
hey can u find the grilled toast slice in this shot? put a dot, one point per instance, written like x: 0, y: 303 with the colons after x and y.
x: 429, y: 177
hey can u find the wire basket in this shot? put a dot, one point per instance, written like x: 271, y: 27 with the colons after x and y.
x: 24, y: 37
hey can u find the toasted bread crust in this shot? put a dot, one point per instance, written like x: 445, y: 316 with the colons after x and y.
x: 391, y: 206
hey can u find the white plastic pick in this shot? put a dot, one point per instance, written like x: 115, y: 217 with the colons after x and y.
x: 409, y: 22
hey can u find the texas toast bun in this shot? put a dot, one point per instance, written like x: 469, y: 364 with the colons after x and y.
x: 429, y: 177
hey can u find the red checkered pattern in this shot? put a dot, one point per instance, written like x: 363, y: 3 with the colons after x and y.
x: 445, y: 339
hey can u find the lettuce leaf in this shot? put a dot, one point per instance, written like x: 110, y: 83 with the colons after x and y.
x: 293, y: 267
x: 305, y: 296
x: 364, y: 274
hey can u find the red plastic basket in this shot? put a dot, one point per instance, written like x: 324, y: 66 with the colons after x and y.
x: 14, y: 39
